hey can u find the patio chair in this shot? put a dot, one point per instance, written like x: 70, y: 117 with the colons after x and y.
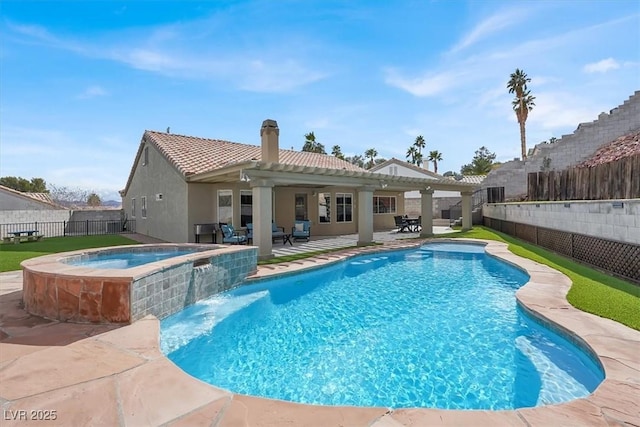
x: 401, y: 223
x: 276, y: 232
x: 301, y: 230
x: 232, y: 236
x: 250, y: 231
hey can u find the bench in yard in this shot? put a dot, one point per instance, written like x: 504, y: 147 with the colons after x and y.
x: 23, y: 236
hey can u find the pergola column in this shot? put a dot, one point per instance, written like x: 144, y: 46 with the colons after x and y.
x: 426, y: 198
x: 467, y: 214
x: 262, y: 212
x: 365, y: 216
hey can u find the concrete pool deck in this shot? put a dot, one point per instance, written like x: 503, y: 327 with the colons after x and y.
x: 109, y: 375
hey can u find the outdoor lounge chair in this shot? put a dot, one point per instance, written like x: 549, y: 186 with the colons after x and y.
x: 301, y: 230
x: 250, y: 231
x: 276, y: 232
x: 232, y: 236
x: 402, y: 224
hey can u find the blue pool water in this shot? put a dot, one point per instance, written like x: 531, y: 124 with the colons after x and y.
x: 436, y: 327
x: 126, y: 259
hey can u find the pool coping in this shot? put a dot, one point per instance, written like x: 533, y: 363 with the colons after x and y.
x: 120, y: 377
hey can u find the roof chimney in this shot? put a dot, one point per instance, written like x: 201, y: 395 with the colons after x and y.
x: 269, y: 140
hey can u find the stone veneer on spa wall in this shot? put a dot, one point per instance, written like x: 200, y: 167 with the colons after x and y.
x: 60, y: 291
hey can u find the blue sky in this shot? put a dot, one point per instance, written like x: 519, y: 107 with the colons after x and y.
x: 80, y: 81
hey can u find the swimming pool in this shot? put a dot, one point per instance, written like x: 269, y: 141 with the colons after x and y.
x: 435, y: 327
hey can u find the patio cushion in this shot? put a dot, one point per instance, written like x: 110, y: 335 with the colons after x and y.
x: 230, y: 235
x: 301, y: 230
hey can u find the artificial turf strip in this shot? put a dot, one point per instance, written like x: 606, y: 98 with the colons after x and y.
x: 592, y: 291
x: 303, y: 255
x: 11, y: 255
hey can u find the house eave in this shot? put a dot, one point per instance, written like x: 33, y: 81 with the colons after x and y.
x: 287, y: 174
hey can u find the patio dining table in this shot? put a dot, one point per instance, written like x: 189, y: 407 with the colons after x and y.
x: 414, y: 224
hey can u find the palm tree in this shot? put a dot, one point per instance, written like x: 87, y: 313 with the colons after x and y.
x: 311, y: 145
x: 371, y: 154
x: 420, y: 143
x: 411, y: 153
x: 419, y: 160
x: 435, y: 156
x: 356, y: 160
x: 337, y: 152
x: 522, y: 103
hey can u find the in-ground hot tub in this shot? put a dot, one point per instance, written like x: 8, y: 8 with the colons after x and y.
x: 111, y: 285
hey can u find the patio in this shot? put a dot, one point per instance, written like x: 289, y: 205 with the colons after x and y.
x: 105, y: 375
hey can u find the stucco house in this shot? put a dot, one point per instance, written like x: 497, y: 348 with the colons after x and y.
x: 178, y: 181
x: 442, y: 199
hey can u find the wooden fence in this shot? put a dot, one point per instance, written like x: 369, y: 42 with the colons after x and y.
x: 619, y: 179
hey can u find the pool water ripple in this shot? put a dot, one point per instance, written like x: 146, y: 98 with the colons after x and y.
x: 420, y: 328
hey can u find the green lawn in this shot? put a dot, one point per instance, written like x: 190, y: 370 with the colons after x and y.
x: 11, y: 255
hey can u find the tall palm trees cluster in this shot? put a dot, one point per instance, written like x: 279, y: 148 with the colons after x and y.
x: 414, y: 154
x: 522, y: 103
x: 367, y: 161
x: 370, y: 158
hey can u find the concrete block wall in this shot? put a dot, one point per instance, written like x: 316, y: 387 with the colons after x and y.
x: 32, y: 217
x: 595, y: 218
x: 413, y: 206
x: 96, y: 215
x: 50, y: 222
x: 570, y: 149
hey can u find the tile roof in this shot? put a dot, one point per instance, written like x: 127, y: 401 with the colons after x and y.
x: 625, y: 146
x: 41, y: 197
x: 38, y: 197
x: 193, y: 155
x: 471, y: 179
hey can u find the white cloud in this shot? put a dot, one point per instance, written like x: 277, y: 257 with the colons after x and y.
x: 601, y: 66
x: 427, y: 85
x: 489, y: 26
x: 560, y: 111
x: 92, y: 92
x: 261, y: 76
x: 170, y: 51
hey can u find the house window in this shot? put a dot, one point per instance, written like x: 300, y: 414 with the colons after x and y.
x: 133, y: 208
x: 384, y: 204
x: 344, y: 207
x: 246, y: 207
x: 393, y: 170
x: 225, y: 206
x: 145, y: 157
x: 324, y: 207
x: 301, y: 207
x: 143, y: 208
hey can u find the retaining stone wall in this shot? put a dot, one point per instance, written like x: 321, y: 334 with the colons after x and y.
x: 569, y: 150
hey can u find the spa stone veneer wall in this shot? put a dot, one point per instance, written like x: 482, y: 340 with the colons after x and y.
x: 171, y: 290
x: 59, y: 291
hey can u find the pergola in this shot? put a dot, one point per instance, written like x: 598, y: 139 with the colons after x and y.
x: 264, y: 176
